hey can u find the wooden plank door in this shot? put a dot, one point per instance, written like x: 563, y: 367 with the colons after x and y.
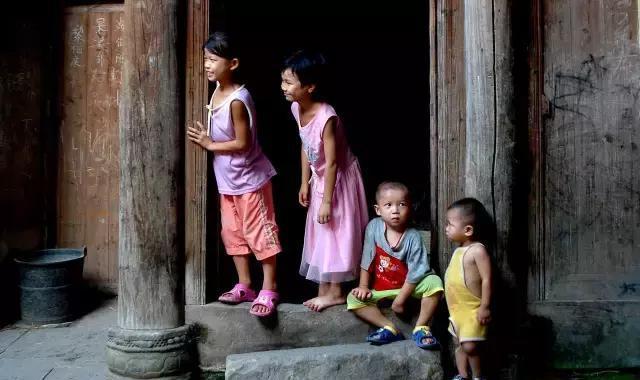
x: 585, y: 274
x: 88, y: 162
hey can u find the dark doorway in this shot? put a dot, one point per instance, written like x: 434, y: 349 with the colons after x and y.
x: 380, y: 68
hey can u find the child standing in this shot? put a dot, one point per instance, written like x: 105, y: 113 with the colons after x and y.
x: 331, y: 188
x: 395, y: 266
x: 468, y: 283
x: 243, y: 174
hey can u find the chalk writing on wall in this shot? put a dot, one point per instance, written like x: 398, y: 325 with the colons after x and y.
x: 89, y: 178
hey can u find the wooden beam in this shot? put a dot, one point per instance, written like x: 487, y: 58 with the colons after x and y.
x: 196, y: 158
x: 433, y: 130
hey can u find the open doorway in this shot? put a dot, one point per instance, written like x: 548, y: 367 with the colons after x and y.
x: 380, y: 73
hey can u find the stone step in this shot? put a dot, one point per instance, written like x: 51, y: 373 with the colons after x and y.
x: 226, y: 330
x: 399, y: 360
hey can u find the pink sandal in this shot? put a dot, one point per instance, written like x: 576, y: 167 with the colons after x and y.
x: 239, y: 293
x: 268, y: 299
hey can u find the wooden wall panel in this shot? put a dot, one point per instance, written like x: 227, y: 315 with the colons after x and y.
x: 585, y: 210
x: 591, y: 138
x: 88, y: 178
x: 71, y: 193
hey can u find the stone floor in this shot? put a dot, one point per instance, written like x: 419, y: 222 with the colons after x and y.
x: 72, y: 352
x: 77, y: 351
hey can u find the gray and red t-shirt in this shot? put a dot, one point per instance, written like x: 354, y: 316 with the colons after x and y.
x: 408, y: 262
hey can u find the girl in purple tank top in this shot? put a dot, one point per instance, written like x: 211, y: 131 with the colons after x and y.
x: 331, y: 187
x: 243, y: 175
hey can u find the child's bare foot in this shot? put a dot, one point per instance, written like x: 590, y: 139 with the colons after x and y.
x: 323, y: 302
x: 310, y: 302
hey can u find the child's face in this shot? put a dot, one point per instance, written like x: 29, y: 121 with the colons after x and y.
x: 456, y: 229
x: 394, y: 207
x: 292, y: 88
x: 218, y: 68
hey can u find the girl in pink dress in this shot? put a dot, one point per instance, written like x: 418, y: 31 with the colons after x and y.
x: 331, y: 188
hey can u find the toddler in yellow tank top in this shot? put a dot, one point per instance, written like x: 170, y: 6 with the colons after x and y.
x: 467, y: 284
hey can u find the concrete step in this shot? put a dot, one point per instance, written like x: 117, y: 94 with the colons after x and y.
x: 399, y: 360
x: 227, y: 330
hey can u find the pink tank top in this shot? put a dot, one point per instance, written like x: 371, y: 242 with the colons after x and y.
x: 244, y: 172
x: 313, y: 145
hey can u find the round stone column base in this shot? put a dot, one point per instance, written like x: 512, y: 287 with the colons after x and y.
x: 151, y: 354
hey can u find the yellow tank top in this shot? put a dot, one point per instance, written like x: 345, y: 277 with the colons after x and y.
x: 463, y: 305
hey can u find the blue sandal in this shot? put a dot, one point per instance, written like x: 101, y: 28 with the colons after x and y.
x: 423, y: 334
x: 383, y: 336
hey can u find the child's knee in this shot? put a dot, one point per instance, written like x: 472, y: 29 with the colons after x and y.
x: 470, y: 348
x: 432, y: 299
x: 353, y: 304
x: 430, y: 286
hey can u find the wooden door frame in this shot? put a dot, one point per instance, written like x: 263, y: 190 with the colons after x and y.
x: 535, y: 288
x: 447, y: 107
x: 196, y: 162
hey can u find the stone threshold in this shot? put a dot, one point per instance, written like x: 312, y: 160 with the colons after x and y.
x: 399, y: 360
x: 225, y: 330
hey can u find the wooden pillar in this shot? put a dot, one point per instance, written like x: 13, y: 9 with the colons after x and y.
x: 151, y: 340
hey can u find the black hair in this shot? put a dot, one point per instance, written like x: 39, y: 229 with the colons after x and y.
x: 311, y: 68
x: 389, y: 185
x: 223, y: 44
x: 476, y: 215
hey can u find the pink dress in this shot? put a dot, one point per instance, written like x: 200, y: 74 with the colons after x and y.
x: 332, y: 251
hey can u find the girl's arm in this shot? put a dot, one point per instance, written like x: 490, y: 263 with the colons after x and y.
x: 483, y: 262
x: 242, y: 142
x: 303, y: 194
x: 306, y: 169
x: 330, y: 171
